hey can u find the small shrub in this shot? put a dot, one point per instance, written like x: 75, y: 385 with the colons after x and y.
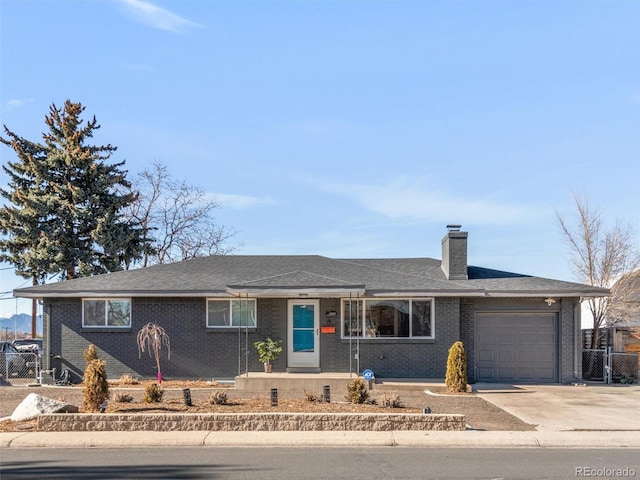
x: 153, y: 394
x: 390, y: 400
x: 313, y: 397
x: 218, y: 398
x: 268, y: 350
x: 456, y: 378
x: 127, y: 380
x: 357, y: 391
x: 95, y: 386
x: 123, y: 397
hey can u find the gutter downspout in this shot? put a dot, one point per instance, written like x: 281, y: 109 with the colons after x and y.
x: 577, y: 339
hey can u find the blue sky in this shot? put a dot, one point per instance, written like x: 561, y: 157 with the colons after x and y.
x: 351, y: 128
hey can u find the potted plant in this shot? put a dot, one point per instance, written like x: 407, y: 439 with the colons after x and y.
x: 268, y: 351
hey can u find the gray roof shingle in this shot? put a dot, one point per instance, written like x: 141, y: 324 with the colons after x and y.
x: 214, y: 275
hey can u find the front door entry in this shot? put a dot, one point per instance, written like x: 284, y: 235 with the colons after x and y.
x: 303, y: 344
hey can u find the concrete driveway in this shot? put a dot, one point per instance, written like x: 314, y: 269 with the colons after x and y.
x: 566, y: 407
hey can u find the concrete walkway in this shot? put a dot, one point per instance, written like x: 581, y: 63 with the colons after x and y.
x: 593, y: 416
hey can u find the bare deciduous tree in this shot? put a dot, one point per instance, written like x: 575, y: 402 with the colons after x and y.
x: 624, y: 309
x: 153, y: 337
x: 176, y: 217
x: 600, y: 256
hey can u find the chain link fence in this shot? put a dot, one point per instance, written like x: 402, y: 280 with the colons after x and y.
x: 624, y: 367
x: 601, y: 365
x: 19, y: 365
x: 593, y: 365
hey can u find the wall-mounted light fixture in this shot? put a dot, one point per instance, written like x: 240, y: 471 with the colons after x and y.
x: 550, y: 301
x: 331, y: 316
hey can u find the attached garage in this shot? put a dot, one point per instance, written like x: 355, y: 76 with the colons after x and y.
x: 516, y: 347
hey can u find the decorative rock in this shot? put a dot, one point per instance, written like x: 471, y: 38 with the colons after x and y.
x: 34, y: 405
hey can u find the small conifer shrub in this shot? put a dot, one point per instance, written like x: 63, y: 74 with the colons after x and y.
x: 357, y: 391
x: 95, y: 386
x: 153, y: 394
x: 456, y: 378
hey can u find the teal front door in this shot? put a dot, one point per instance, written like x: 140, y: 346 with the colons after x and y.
x: 303, y: 345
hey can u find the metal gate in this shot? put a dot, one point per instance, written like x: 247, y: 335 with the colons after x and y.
x: 594, y: 363
x: 22, y: 365
x: 603, y: 365
x: 623, y: 367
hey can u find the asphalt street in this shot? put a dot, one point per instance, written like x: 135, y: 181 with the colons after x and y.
x: 368, y: 463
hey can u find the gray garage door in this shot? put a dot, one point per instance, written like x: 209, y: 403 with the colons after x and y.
x: 517, y: 347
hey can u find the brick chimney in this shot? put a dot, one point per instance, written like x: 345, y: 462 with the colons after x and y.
x: 454, y: 253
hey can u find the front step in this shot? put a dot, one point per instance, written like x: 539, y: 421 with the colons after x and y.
x: 315, y: 382
x: 303, y: 370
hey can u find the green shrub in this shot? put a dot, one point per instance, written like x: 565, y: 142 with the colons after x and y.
x: 456, y: 378
x: 357, y: 391
x: 153, y: 394
x: 268, y: 350
x: 95, y: 386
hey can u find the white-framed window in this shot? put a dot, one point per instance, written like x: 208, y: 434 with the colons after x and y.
x: 388, y: 318
x: 106, y: 312
x: 231, y: 313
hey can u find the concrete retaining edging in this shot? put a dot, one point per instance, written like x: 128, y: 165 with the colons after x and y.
x: 164, y: 422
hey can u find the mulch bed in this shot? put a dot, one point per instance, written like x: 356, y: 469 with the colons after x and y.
x: 480, y: 414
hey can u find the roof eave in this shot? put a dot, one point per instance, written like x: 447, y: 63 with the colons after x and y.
x: 426, y: 293
x: 120, y: 293
x: 548, y: 293
x: 329, y: 291
x: 288, y: 292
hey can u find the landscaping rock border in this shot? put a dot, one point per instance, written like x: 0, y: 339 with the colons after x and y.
x: 88, y: 422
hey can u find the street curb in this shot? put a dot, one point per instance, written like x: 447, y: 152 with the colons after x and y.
x: 468, y: 439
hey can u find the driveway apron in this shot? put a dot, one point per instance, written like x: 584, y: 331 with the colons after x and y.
x: 568, y: 407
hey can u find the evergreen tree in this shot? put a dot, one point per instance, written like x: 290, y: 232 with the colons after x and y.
x: 456, y: 377
x: 65, y: 212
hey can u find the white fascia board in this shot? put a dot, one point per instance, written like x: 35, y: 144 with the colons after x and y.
x: 119, y: 294
x: 547, y: 293
x: 427, y: 293
x: 306, y: 292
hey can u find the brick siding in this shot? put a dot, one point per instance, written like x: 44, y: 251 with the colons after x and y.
x: 201, y: 353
